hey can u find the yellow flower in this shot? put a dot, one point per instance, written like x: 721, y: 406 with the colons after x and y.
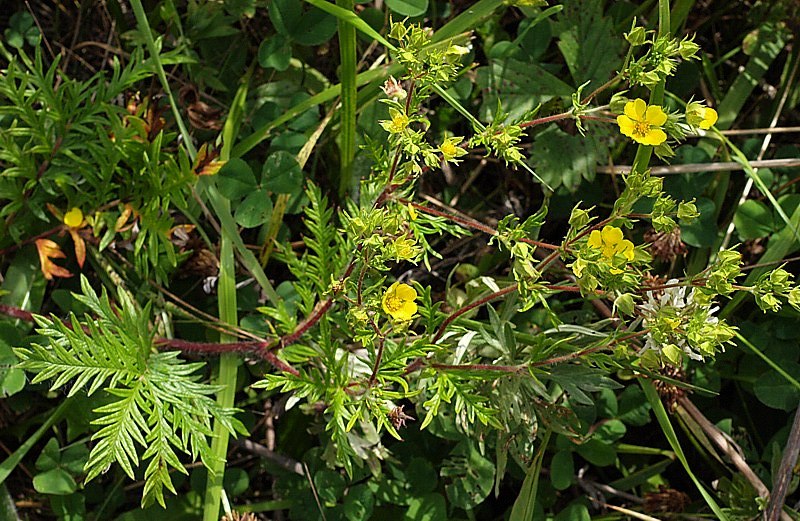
x: 699, y: 115
x: 397, y: 123
x: 398, y: 301
x: 73, y: 218
x: 450, y: 149
x: 611, y: 243
x: 643, y: 123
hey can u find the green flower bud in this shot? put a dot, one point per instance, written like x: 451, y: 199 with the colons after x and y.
x: 794, y: 298
x: 636, y: 37
x: 687, y: 211
x: 664, y: 151
x: 579, y: 217
x: 398, y: 31
x: 618, y: 102
x: 624, y: 304
x: 688, y: 49
x: 779, y: 278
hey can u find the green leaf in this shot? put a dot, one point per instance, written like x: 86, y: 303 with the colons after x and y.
x: 562, y: 470
x: 519, y: 86
x: 610, y: 431
x: 12, y: 379
x: 421, y: 476
x: 56, y: 481
x: 430, y: 507
x: 236, y: 179
x: 50, y: 456
x: 597, y: 453
x: 574, y: 512
x: 702, y: 232
x: 753, y: 220
x: 587, y: 41
x: 408, y: 7
x: 526, y: 506
x: 663, y: 420
x: 633, y: 407
x: 275, y: 52
x: 330, y: 486
x: 255, y: 210
x: 282, y: 174
x: 236, y: 481
x: 358, y: 503
x: 563, y: 159
x: 774, y: 390
x: 471, y: 476
x: 304, y: 24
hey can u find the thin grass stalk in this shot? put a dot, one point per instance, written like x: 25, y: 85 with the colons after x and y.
x: 144, y: 27
x: 524, y: 506
x: 228, y: 364
x: 663, y: 420
x: 347, y: 116
x: 11, y: 462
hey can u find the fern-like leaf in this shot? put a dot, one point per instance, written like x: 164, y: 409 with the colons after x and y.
x: 159, y: 403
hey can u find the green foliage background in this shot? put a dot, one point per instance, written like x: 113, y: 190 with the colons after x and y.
x: 248, y: 197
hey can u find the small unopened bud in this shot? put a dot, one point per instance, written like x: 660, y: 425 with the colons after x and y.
x: 624, y: 304
x: 688, y: 49
x: 618, y: 102
x: 398, y: 31
x: 636, y: 37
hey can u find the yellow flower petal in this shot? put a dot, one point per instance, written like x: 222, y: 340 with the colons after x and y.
x: 655, y: 116
x: 611, y: 234
x: 398, y: 302
x: 626, y: 125
x: 73, y: 218
x: 636, y: 109
x: 627, y: 249
x: 406, y: 292
x: 595, y: 239
x: 709, y: 118
x: 655, y: 137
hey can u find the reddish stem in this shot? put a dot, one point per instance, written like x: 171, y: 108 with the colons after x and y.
x: 469, y: 223
x: 48, y: 233
x: 514, y: 369
x: 488, y: 298
x: 546, y: 119
x: 16, y: 312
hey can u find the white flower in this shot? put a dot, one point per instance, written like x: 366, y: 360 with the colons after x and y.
x: 668, y: 316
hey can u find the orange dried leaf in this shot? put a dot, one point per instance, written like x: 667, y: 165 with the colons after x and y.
x: 80, y: 246
x: 49, y: 250
x: 206, y: 162
x: 119, y: 226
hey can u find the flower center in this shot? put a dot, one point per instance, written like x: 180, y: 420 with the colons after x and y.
x: 399, y: 122
x: 393, y: 304
x: 641, y: 128
x: 448, y: 149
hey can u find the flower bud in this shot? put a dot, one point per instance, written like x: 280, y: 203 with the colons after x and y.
x: 688, y: 49
x: 636, y: 37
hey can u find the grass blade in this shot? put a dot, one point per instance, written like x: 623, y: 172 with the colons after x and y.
x: 228, y: 365
x: 525, y: 503
x: 663, y: 420
x: 345, y: 14
x: 777, y: 368
x: 144, y: 27
x: 11, y: 462
x: 347, y: 116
